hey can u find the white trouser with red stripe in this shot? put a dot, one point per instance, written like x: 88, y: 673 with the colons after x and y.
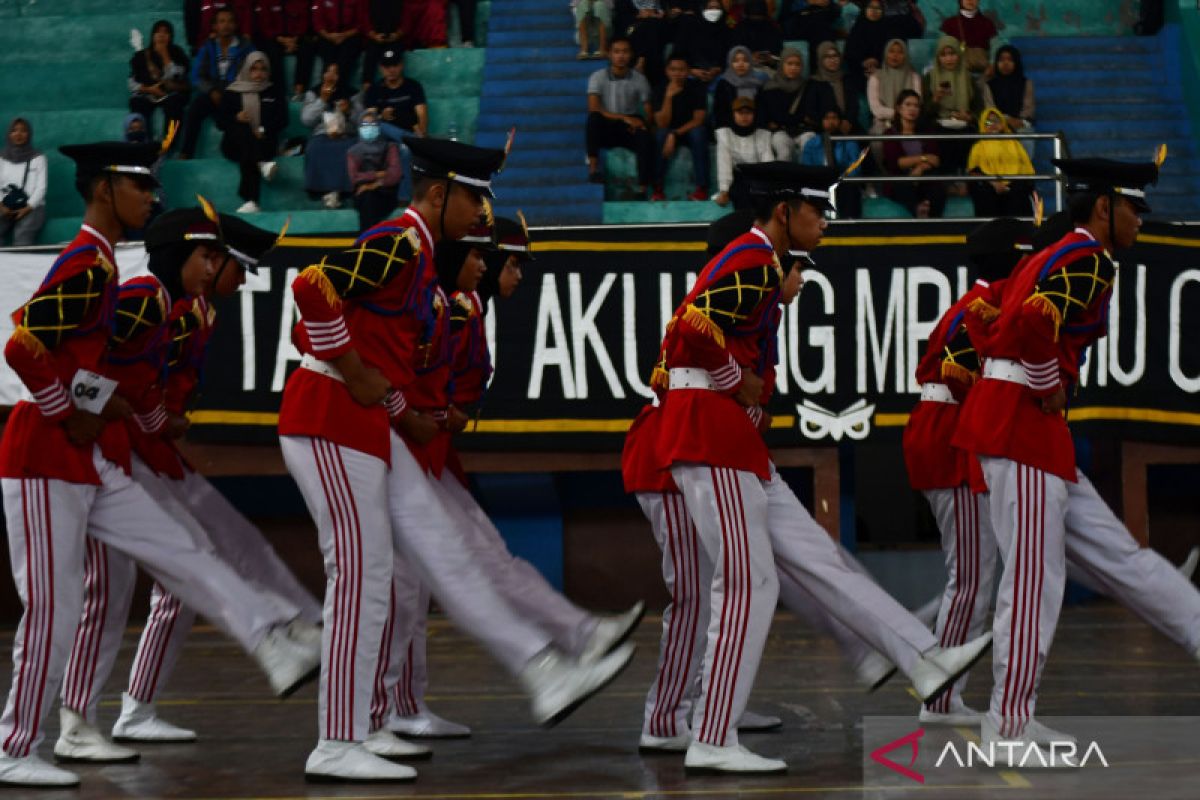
x: 48, y: 522
x: 1028, y: 509
x: 687, y: 574
x: 109, y: 577
x: 729, y: 510
x: 970, y: 550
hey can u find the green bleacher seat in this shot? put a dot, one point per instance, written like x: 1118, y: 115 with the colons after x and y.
x: 643, y: 212
x: 447, y: 72
x: 77, y: 8
x: 453, y: 117
x: 77, y: 40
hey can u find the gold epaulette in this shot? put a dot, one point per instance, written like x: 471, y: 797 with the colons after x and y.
x: 1046, y: 306
x: 700, y: 321
x: 660, y: 378
x: 26, y: 339
x: 317, y: 277
x: 958, y: 373
x: 983, y: 309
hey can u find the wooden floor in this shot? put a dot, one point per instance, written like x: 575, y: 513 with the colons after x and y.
x: 1104, y: 662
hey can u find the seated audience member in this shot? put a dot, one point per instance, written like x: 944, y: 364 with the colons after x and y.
x: 830, y: 89
x: 215, y: 65
x: 903, y: 16
x: 951, y: 100
x: 466, y: 21
x: 328, y: 112
x: 759, y: 33
x: 999, y: 157
x: 647, y: 36
x: 589, y: 14
x: 383, y: 33
x: 975, y: 32
x: 742, y: 142
x: 814, y: 22
x: 680, y: 108
x: 704, y: 40
x: 402, y: 108
x: 738, y: 80
x: 373, y: 164
x: 137, y: 131
x: 894, y: 76
x: 915, y: 157
x: 284, y: 28
x: 821, y: 151
x: 158, y: 77
x: 865, y: 45
x: 619, y: 113
x: 205, y: 17
x: 253, y: 114
x: 23, y: 173
x: 1011, y: 92
x: 781, y: 106
x: 339, y: 27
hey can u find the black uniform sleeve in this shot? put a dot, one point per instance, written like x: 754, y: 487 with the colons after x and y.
x: 54, y: 313
x: 1072, y: 289
x: 734, y: 298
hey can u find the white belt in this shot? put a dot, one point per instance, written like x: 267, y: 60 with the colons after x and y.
x: 311, y: 362
x: 1004, y: 369
x: 691, y: 378
x: 937, y: 393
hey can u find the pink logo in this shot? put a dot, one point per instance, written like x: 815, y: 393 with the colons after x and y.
x: 878, y: 756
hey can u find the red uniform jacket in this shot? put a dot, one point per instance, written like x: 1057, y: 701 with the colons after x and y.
x: 725, y: 323
x: 242, y: 9
x: 1054, y: 306
x: 63, y: 328
x: 333, y: 16
x: 949, y: 359
x: 376, y: 298
x: 274, y: 18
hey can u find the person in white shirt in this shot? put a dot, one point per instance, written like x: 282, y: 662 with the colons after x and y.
x: 741, y: 143
x: 22, y: 186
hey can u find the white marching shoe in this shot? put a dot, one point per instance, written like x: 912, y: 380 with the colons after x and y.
x: 427, y: 725
x: 611, y: 632
x: 337, y: 762
x: 960, y: 714
x: 752, y: 722
x: 139, y: 723
x: 1034, y: 748
x: 288, y: 662
x: 305, y: 632
x: 940, y: 667
x: 386, y: 744
x: 32, y: 771
x: 709, y: 758
x: 557, y: 684
x: 665, y: 744
x: 874, y: 671
x: 79, y: 741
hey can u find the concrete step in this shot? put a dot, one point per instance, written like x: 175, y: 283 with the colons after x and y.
x: 556, y: 120
x: 512, y: 39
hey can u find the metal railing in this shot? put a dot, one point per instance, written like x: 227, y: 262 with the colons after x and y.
x: 1060, y: 150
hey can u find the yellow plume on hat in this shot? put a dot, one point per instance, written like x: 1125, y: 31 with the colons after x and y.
x: 169, y: 136
x: 857, y: 162
x: 1160, y: 155
x: 525, y: 230
x: 283, y: 231
x: 209, y: 211
x: 1039, y: 209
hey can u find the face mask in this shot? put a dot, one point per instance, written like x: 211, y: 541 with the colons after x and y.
x: 712, y: 14
x: 368, y: 132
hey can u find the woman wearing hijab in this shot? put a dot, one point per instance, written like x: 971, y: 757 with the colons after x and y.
x: 738, y: 80
x: 374, y: 167
x: 951, y: 99
x: 742, y: 142
x: 999, y: 157
x: 781, y: 106
x: 831, y: 89
x: 974, y: 33
x: 158, y: 76
x: 704, y: 39
x: 1011, y: 92
x: 22, y: 185
x: 253, y: 112
x: 883, y: 87
x: 865, y: 44
x: 759, y: 32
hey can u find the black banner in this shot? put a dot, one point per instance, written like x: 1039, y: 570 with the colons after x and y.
x: 574, y: 347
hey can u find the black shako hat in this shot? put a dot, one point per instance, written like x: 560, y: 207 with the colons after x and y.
x: 467, y: 164
x: 996, y: 246
x: 118, y: 158
x: 729, y: 227
x: 1055, y: 227
x: 1106, y: 176
x: 182, y: 225
x: 245, y: 242
x: 512, y: 236
x: 783, y: 180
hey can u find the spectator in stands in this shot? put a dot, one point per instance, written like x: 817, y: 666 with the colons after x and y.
x: 884, y: 87
x: 1011, y: 92
x: 759, y: 33
x: 619, y: 113
x: 23, y: 175
x: 401, y: 105
x: 284, y: 27
x: 253, y: 113
x: 215, y: 65
x: 424, y: 23
x: 327, y: 112
x: 999, y: 157
x: 903, y: 16
x: 680, y: 108
x: 781, y: 106
x: 339, y: 27
x: 137, y: 131
x: 865, y: 45
x: 742, y: 142
x: 383, y: 32
x: 814, y: 22
x: 915, y: 157
x: 704, y: 40
x: 738, y: 80
x: 589, y: 14
x: 830, y: 89
x: 821, y: 151
x: 205, y: 19
x: 975, y: 32
x: 158, y: 76
x: 466, y: 21
x: 647, y: 36
x: 374, y: 167
x: 951, y: 100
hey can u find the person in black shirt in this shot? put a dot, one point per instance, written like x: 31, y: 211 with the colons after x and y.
x: 399, y: 100
x: 158, y: 76
x: 252, y: 114
x: 383, y: 33
x: 703, y: 39
x: 814, y: 23
x: 759, y: 32
x: 680, y: 107
x: 647, y: 34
